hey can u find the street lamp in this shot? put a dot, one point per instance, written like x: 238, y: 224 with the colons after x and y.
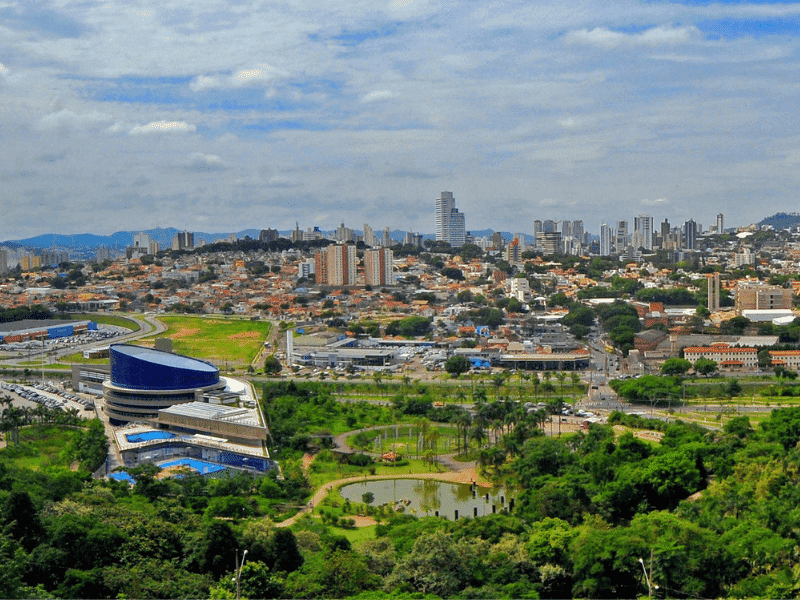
x: 239, y: 572
x: 650, y: 586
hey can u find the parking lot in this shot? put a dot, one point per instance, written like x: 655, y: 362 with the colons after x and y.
x: 49, y: 395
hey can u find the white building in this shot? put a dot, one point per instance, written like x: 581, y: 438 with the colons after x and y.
x: 643, y: 232
x: 450, y: 224
x: 606, y: 234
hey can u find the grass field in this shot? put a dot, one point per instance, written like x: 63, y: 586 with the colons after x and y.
x: 225, y: 342
x: 40, y: 446
x: 117, y: 320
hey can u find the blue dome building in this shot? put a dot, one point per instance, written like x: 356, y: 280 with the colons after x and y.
x: 144, y: 381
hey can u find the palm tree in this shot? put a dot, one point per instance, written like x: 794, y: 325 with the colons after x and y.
x: 498, y: 381
x: 464, y: 421
x: 576, y: 379
x: 536, y: 382
x: 478, y: 434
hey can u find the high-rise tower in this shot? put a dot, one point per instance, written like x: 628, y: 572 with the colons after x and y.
x: 450, y: 225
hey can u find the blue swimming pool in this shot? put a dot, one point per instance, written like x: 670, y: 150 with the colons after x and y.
x: 201, y: 466
x: 145, y: 436
x: 122, y: 476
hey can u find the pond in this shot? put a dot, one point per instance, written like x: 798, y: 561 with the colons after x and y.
x: 427, y: 497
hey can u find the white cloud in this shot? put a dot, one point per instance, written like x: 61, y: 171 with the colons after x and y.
x: 376, y: 95
x: 656, y: 202
x: 657, y: 36
x: 163, y: 127
x: 203, y: 82
x: 259, y: 75
x: 66, y: 118
x: 205, y: 162
x: 3, y: 69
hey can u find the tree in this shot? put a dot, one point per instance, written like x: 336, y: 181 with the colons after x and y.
x: 675, y: 366
x: 705, y: 366
x: 457, y: 364
x: 272, y: 366
x: 436, y: 565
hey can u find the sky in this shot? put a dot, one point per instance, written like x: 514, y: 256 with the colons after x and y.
x: 225, y: 115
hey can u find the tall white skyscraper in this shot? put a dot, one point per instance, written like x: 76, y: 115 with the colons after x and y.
x: 643, y: 232
x: 720, y: 223
x: 450, y: 224
x: 606, y: 234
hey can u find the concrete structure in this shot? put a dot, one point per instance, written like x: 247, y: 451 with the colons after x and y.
x: 268, y: 235
x: 336, y: 265
x: 643, y: 232
x: 690, y: 234
x: 142, y: 245
x: 378, y: 267
x: 551, y: 242
x: 183, y: 240
x: 713, y: 291
x: 144, y: 381
x: 785, y: 358
x: 450, y: 224
x: 46, y: 329
x: 757, y: 295
x: 29, y: 262
x: 728, y: 358
x: 622, y: 236
x: 240, y: 425
x: 606, y: 234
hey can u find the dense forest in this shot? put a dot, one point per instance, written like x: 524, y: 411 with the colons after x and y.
x: 703, y: 513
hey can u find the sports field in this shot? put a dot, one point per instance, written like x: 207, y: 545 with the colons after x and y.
x: 225, y: 342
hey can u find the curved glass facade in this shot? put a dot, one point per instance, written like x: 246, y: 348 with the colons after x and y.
x: 140, y: 368
x: 144, y: 381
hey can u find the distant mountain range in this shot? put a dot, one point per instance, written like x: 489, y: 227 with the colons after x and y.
x: 122, y: 239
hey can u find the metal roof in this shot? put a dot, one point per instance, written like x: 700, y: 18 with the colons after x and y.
x: 166, y: 359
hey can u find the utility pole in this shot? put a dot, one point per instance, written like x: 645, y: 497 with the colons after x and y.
x: 239, y: 572
x: 647, y: 577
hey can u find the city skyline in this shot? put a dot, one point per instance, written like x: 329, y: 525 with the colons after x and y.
x: 214, y: 115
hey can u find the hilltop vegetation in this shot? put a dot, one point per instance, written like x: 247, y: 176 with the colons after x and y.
x: 716, y: 511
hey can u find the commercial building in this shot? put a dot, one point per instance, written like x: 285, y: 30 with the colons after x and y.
x: 143, y: 381
x: 379, y: 267
x: 643, y: 232
x: 48, y: 329
x: 606, y: 234
x: 690, y: 234
x: 622, y: 236
x: 757, y: 295
x: 450, y: 224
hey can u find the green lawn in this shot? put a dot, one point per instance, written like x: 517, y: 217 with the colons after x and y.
x: 117, y: 320
x: 225, y: 342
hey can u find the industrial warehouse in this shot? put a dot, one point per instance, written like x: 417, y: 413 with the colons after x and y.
x: 40, y: 330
